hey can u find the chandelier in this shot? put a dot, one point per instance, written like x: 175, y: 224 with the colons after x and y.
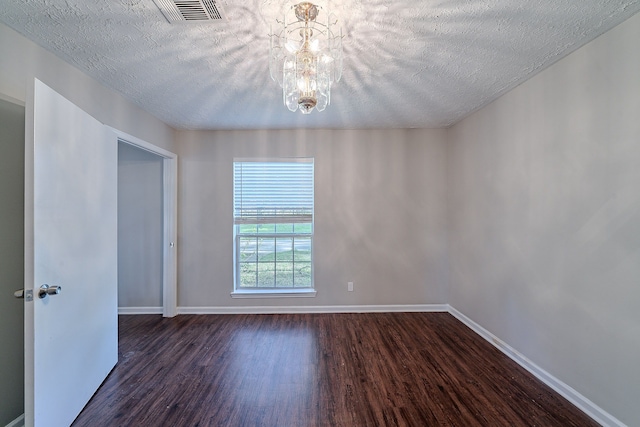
x: 305, y: 56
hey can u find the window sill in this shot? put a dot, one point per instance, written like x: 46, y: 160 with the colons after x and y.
x: 273, y: 293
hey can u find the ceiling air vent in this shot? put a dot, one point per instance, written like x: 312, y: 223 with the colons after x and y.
x: 191, y: 10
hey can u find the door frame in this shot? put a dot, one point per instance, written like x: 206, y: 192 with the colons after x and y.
x: 169, y: 218
x: 19, y: 420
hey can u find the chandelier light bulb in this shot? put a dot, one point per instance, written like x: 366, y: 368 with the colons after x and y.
x: 305, y: 56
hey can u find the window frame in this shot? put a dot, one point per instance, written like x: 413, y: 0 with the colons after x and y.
x: 274, y: 291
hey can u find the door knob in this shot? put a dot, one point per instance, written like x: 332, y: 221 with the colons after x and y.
x: 19, y: 293
x: 49, y: 290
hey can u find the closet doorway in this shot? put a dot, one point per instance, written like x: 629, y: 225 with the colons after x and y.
x: 147, y: 201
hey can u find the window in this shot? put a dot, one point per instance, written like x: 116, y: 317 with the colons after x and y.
x: 273, y: 225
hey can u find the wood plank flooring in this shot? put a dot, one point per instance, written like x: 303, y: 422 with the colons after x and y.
x: 303, y: 370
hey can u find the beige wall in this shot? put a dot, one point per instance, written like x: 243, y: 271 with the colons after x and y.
x: 544, y: 202
x: 380, y: 217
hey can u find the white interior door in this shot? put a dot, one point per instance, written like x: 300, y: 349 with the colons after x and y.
x: 71, y: 340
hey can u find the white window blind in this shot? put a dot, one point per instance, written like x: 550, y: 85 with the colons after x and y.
x: 273, y: 192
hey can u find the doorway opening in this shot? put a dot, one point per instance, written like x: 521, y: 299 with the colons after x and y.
x: 139, y: 231
x: 12, y: 123
x: 147, y: 227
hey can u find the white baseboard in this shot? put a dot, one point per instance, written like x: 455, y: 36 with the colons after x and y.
x: 139, y: 310
x: 18, y: 422
x: 585, y: 405
x: 316, y: 309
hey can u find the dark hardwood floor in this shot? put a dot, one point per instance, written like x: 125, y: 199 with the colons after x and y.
x: 382, y: 369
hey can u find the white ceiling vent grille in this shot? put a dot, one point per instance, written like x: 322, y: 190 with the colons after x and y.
x: 191, y: 10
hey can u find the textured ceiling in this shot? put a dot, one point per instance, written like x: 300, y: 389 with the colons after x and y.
x: 408, y: 63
